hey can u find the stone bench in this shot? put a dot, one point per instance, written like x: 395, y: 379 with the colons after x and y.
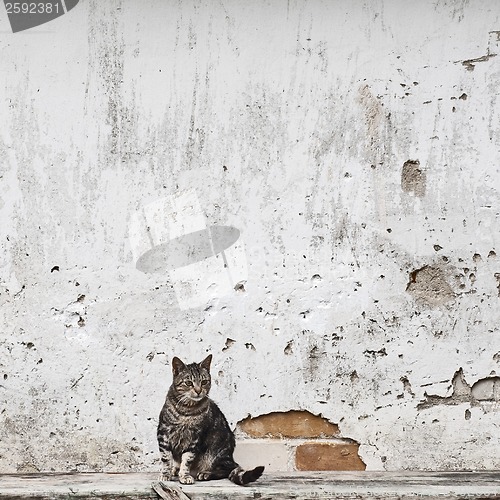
x: 295, y: 485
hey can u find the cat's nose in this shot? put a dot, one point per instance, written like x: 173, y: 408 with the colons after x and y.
x: 197, y: 389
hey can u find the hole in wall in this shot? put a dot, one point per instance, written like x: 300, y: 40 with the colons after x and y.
x: 428, y: 286
x: 413, y: 178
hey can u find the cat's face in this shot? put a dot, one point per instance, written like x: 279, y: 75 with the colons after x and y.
x: 192, y: 382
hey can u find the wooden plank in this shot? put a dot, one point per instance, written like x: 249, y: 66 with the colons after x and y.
x: 293, y: 486
x: 169, y: 492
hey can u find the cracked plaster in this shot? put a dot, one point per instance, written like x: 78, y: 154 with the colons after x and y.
x: 292, y: 122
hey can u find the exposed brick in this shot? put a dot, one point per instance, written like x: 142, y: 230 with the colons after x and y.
x: 291, y: 424
x: 328, y: 456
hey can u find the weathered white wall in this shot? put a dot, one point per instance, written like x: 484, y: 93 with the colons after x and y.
x: 291, y: 121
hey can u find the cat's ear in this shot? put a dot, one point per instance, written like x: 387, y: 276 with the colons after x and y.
x: 206, y: 362
x: 177, y: 365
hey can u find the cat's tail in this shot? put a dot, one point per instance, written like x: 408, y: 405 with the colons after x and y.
x: 242, y: 477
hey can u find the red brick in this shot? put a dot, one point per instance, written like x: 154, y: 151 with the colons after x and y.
x: 328, y: 456
x: 291, y: 424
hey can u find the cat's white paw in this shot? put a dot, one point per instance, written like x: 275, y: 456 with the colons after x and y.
x: 187, y: 479
x: 165, y: 476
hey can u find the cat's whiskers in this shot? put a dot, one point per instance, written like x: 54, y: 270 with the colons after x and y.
x: 186, y: 400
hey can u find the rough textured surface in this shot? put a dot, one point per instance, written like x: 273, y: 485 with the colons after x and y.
x: 304, y: 485
x: 291, y: 122
x: 292, y: 424
x: 413, y: 178
x: 280, y: 443
x: 280, y: 455
x: 428, y: 285
x: 328, y: 456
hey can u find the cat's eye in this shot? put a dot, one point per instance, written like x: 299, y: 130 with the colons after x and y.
x: 204, y: 382
x: 189, y: 383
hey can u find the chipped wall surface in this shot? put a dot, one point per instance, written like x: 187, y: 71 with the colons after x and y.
x: 350, y: 152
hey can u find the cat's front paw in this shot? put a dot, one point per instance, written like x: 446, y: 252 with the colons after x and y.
x: 166, y: 476
x: 187, y: 479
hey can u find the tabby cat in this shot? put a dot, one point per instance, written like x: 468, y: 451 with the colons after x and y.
x: 194, y: 437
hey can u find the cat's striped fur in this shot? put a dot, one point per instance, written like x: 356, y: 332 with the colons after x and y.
x: 194, y: 437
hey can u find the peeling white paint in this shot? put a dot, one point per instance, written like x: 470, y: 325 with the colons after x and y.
x: 292, y: 122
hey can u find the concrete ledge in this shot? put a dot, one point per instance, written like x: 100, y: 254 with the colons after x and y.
x: 304, y: 485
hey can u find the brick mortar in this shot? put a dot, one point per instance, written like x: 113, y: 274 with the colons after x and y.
x: 294, y: 441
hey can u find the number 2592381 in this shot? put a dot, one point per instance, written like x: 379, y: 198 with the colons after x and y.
x: 32, y: 8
